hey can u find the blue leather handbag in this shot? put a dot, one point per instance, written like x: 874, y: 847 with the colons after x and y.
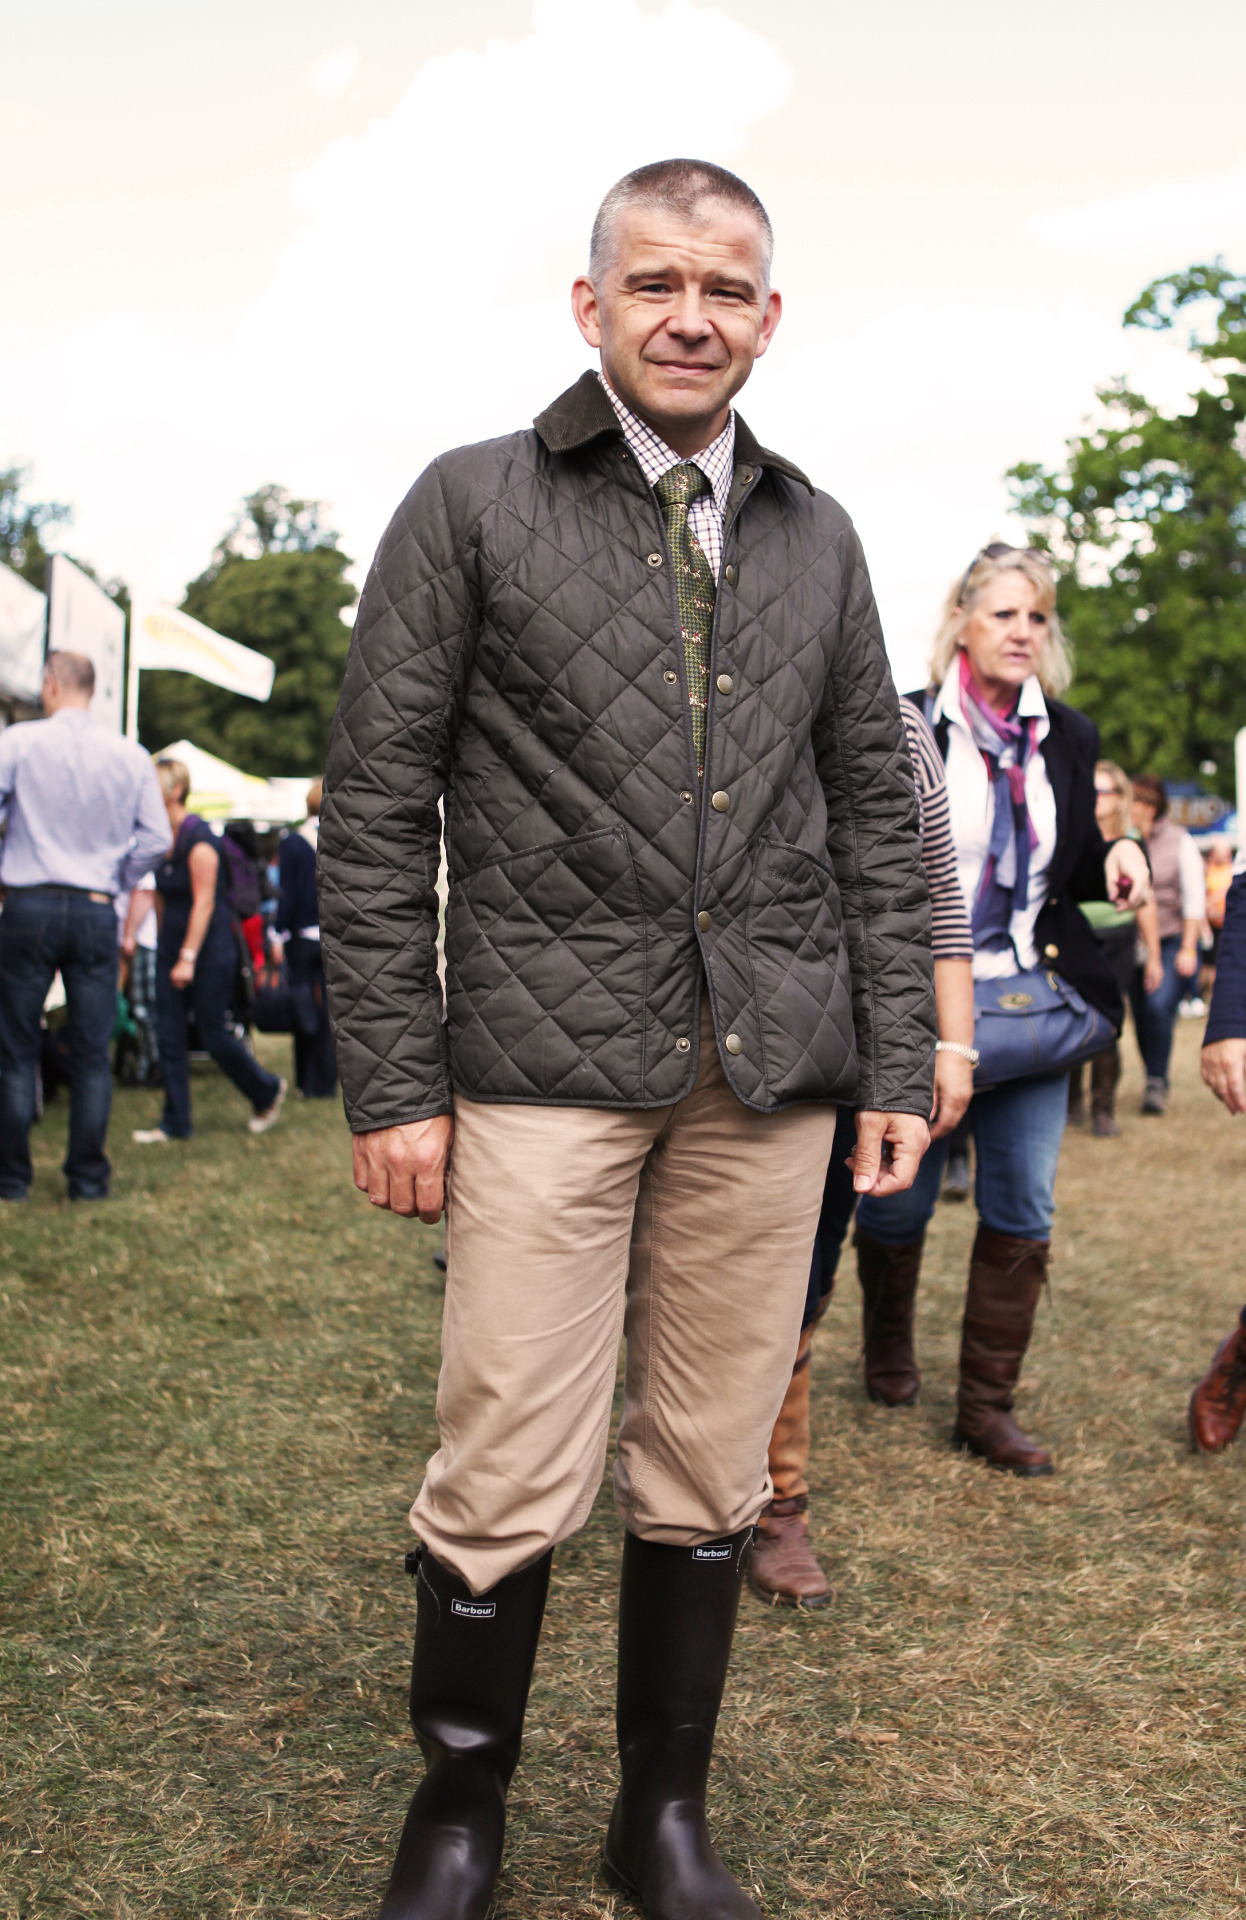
x: 1031, y: 1026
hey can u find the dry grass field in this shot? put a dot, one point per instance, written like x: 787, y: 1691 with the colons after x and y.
x: 1026, y: 1699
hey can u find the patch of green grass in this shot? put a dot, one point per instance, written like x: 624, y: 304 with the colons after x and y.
x: 216, y: 1395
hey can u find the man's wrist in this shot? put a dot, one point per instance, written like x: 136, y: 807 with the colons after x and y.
x: 189, y: 953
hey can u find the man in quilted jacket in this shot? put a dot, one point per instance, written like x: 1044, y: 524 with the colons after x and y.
x: 635, y: 657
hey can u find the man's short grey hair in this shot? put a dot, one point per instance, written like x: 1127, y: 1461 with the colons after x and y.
x: 72, y: 672
x: 679, y: 187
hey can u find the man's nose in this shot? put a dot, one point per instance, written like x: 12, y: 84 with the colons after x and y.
x: 690, y: 320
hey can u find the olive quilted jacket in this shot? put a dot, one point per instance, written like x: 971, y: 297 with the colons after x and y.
x: 516, y: 657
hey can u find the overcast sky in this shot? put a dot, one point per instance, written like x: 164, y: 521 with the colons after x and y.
x: 314, y: 243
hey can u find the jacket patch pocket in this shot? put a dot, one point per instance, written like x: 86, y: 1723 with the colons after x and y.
x: 800, y: 967
x: 545, y: 973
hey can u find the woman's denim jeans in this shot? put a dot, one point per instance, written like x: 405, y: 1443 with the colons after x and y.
x: 1155, y: 1013
x: 209, y: 993
x: 1017, y: 1130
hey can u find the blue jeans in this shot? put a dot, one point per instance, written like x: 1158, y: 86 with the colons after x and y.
x: 209, y: 997
x: 43, y: 929
x: 1154, y: 1013
x: 1017, y: 1130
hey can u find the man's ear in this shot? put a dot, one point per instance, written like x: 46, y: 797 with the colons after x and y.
x: 769, y: 321
x: 585, y: 307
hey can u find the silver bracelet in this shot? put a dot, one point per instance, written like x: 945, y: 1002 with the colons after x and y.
x: 958, y: 1047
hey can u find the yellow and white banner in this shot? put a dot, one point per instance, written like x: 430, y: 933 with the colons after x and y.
x: 163, y: 638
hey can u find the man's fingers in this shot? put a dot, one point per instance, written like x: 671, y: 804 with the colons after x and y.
x: 867, y: 1159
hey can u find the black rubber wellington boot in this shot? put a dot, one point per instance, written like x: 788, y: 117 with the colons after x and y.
x: 469, y: 1689
x: 677, y: 1609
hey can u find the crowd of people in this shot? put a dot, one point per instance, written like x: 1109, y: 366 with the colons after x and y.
x: 739, y: 945
x: 153, y: 924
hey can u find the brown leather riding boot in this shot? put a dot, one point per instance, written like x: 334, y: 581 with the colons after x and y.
x: 1005, y: 1279
x: 782, y: 1570
x: 889, y: 1277
x: 1218, y: 1403
x: 1105, y: 1072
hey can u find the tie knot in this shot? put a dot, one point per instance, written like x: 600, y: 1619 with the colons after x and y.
x: 681, y: 485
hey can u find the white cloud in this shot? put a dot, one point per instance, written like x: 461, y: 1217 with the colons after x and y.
x: 400, y: 319
x: 1183, y: 220
x: 414, y: 309
x: 17, y: 121
x: 333, y: 72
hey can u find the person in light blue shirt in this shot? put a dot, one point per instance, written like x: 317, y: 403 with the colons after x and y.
x: 83, y: 819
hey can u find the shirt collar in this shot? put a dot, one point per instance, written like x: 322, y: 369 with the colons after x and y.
x: 1031, y: 705
x: 654, y: 457
x: 72, y: 716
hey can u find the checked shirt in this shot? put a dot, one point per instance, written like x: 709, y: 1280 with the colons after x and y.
x: 693, y: 498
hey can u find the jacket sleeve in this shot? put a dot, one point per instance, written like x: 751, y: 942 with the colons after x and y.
x: 380, y: 832
x: 1227, y: 1019
x: 1087, y: 879
x: 875, y: 848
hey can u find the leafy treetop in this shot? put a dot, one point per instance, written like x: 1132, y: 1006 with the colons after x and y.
x: 1148, y: 519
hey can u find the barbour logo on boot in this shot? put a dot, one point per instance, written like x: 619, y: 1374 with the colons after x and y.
x: 474, y: 1609
x: 712, y: 1553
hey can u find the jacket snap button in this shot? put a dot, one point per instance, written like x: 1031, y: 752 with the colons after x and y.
x: 670, y: 676
x: 720, y: 801
x: 1051, y: 953
x: 746, y: 475
x: 685, y: 796
x: 655, y: 559
x: 683, y: 1046
x: 725, y: 683
x: 733, y: 1043
x: 730, y: 573
x: 705, y: 920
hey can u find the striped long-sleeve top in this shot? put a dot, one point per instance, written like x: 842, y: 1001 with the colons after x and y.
x: 951, y: 938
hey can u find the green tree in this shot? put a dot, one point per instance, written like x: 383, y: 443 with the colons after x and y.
x: 22, y: 526
x: 276, y: 583
x: 1148, y: 519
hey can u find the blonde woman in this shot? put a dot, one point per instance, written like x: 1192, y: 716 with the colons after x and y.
x: 1020, y: 778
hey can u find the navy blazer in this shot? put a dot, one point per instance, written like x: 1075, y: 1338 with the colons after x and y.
x: 1227, y: 1019
x: 1064, y: 937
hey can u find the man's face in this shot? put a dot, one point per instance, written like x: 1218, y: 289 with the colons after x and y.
x: 681, y: 315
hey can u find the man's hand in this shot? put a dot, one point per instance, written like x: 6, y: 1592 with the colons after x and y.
x: 404, y: 1168
x: 1224, y: 1070
x: 952, y: 1093
x: 1126, y: 863
x: 888, y: 1152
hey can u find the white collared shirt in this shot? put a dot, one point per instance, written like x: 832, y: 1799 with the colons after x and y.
x: 707, y: 514
x: 971, y: 796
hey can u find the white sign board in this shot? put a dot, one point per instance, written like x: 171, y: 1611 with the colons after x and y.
x: 23, y: 610
x: 82, y: 619
x: 165, y: 637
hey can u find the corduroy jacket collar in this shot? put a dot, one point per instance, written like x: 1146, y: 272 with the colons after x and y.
x: 584, y: 412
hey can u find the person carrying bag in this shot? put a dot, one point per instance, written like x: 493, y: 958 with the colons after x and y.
x: 1020, y: 776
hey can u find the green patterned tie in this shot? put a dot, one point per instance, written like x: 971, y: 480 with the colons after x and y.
x: 694, y: 590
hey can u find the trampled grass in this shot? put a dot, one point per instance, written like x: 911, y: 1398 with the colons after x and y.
x: 216, y: 1392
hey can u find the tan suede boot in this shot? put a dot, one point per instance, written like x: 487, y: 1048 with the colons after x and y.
x: 782, y: 1570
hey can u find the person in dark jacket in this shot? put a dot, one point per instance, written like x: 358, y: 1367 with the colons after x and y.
x: 1020, y: 775
x: 1218, y: 1403
x: 296, y: 932
x: 636, y: 656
